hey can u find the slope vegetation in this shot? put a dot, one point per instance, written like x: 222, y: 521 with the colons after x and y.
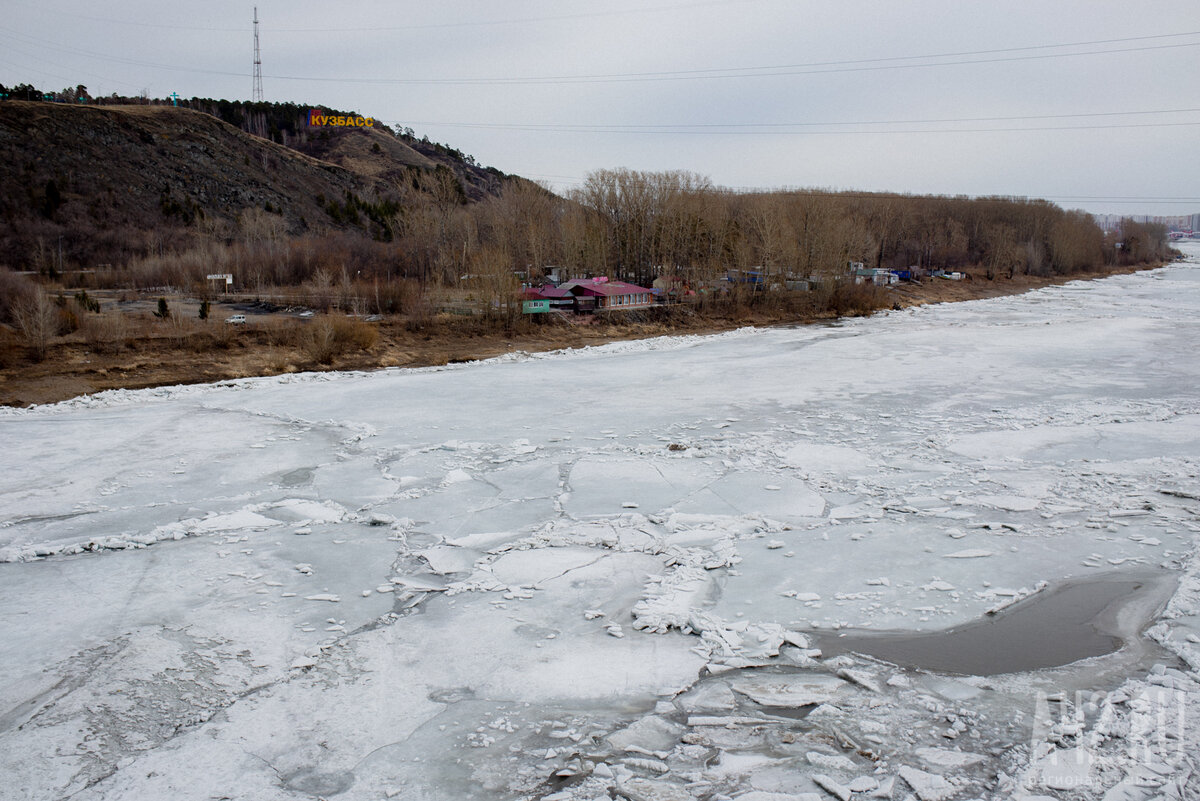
x: 88, y: 185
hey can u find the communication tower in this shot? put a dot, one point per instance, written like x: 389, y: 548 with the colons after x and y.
x: 257, y: 94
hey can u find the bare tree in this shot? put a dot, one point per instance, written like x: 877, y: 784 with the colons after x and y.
x: 37, y: 319
x: 498, y: 286
x: 524, y: 220
x: 261, y: 227
x: 999, y: 239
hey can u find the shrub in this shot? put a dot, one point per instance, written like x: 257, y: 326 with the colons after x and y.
x: 86, y: 302
x: 355, y: 334
x: 856, y: 300
x: 68, y: 320
x: 329, y: 337
x: 223, y: 335
x: 14, y: 289
x: 320, y: 344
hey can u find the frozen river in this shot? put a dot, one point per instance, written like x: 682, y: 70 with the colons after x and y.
x: 610, y: 572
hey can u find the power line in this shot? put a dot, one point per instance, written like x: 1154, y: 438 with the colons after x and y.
x: 574, y: 127
x: 69, y: 80
x: 41, y: 72
x: 882, y: 193
x: 891, y: 195
x: 420, y: 27
x: 518, y: 20
x: 766, y: 128
x: 838, y: 132
x: 808, y: 68
x: 958, y: 54
x: 1133, y: 198
x: 47, y: 45
x: 815, y: 68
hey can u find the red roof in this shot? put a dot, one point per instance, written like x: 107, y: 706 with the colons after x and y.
x: 547, y: 292
x: 603, y: 286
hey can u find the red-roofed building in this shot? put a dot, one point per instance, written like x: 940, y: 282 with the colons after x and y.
x: 601, y: 294
x: 547, y: 292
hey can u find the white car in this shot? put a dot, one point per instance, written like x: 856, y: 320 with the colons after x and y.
x: 237, y: 319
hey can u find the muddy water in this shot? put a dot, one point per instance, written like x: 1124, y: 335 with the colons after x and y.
x: 1074, y: 621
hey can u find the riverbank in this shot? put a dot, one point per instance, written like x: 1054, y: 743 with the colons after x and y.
x: 74, y: 366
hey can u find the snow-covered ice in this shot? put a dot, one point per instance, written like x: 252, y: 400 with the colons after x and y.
x: 600, y: 573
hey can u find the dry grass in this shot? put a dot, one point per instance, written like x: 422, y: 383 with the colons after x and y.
x: 11, y: 348
x: 856, y: 300
x: 105, y: 333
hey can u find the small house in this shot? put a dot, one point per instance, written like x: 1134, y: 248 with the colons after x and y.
x: 876, y: 276
x: 548, y: 298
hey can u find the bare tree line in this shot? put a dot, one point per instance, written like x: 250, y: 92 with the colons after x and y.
x: 630, y: 225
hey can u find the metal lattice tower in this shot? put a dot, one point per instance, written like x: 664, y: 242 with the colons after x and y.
x: 257, y: 94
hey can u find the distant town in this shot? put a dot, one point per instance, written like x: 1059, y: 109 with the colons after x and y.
x: 1179, y: 226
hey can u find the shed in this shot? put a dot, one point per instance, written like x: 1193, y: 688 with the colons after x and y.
x: 875, y: 275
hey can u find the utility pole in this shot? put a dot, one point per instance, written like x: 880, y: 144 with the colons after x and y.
x: 257, y: 94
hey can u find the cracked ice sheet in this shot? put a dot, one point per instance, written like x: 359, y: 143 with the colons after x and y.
x: 125, y: 471
x: 887, y: 398
x: 223, y: 620
x: 540, y: 650
x: 924, y: 589
x: 603, y: 487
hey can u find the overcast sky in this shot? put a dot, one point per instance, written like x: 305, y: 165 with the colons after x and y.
x: 1093, y: 104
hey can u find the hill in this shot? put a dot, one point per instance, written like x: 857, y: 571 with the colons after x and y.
x: 88, y: 184
x: 377, y: 151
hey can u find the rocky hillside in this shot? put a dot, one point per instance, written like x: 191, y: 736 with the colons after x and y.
x: 87, y: 184
x: 378, y: 151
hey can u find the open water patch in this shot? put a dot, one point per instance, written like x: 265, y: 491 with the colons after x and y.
x: 1076, y: 620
